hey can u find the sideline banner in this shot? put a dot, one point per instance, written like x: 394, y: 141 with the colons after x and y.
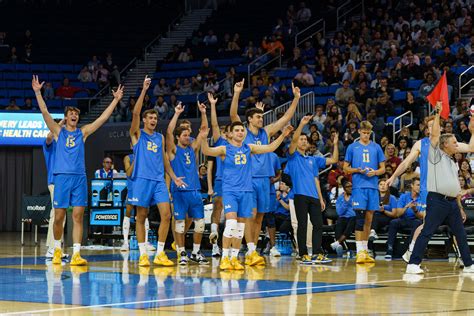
x: 23, y: 129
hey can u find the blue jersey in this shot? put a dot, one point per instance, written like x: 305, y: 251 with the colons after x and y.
x: 260, y: 163
x: 276, y: 165
x: 280, y: 209
x: 319, y: 161
x: 149, y: 157
x: 131, y: 157
x: 302, y: 171
x: 361, y: 156
x: 425, y: 147
x: 49, y: 152
x: 404, y: 200
x: 343, y: 207
x: 69, y: 156
x: 237, y: 175
x: 184, y: 165
x: 392, y: 204
x: 220, y: 142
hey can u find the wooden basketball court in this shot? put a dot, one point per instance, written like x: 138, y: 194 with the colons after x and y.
x: 113, y: 284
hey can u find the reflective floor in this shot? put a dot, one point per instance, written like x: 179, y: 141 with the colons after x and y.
x: 114, y: 284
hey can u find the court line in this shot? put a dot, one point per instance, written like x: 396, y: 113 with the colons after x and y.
x: 219, y: 295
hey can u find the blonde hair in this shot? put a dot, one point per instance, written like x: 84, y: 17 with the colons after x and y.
x: 366, y: 125
x: 395, y: 152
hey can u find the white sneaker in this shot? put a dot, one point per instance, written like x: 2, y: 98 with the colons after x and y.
x: 406, y: 256
x: 125, y: 247
x: 337, y: 247
x: 150, y: 247
x: 274, y: 252
x: 49, y: 253
x: 216, y: 252
x: 412, y: 278
x: 414, y: 269
x: 469, y: 269
x: 373, y: 235
x: 213, y: 236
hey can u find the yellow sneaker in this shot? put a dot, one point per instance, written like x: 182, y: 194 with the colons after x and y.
x: 161, y: 259
x: 368, y: 258
x: 57, y: 256
x: 247, y: 259
x: 173, y: 246
x: 360, y: 257
x: 77, y: 260
x: 226, y: 264
x: 260, y: 260
x: 144, y: 261
x: 254, y: 259
x: 236, y: 265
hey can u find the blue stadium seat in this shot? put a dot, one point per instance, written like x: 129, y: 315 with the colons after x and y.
x: 36, y: 68
x: 4, y: 102
x: 90, y: 86
x: 416, y: 94
x: 70, y: 102
x: 55, y: 103
x: 16, y: 93
x: 321, y: 100
x: 81, y: 94
x: 190, y: 98
x: 78, y: 68
x: 399, y: 95
x: 390, y: 119
x: 26, y: 85
x: 20, y: 102
x: 56, y: 77
x: 413, y: 84
x: 23, y: 68
x: 332, y: 89
x: 7, y: 67
x: 51, y: 68
x: 10, y: 76
x: 15, y: 85
x: 29, y: 93
x: 66, y: 68
x: 320, y: 90
x: 3, y: 84
x: 281, y: 73
x: 25, y: 76
x: 3, y: 93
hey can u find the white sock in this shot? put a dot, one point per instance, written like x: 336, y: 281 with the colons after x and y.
x: 359, y: 246
x: 57, y: 244
x: 412, y: 245
x: 147, y: 228
x: 181, y: 249
x: 365, y: 245
x: 126, y: 229
x: 235, y: 253
x: 77, y: 248
x: 141, y: 246
x: 214, y: 228
x: 161, y: 247
x: 196, y: 248
x: 225, y: 252
x: 251, y: 247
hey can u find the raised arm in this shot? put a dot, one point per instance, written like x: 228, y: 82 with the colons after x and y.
x: 294, y: 141
x: 216, y: 133
x: 210, y: 188
x: 135, y: 128
x: 218, y: 151
x: 238, y: 87
x: 412, y: 156
x: 196, y: 145
x: 335, y: 153
x: 272, y: 129
x: 436, y: 129
x: 178, y: 181
x: 52, y: 125
x: 170, y: 145
x: 89, y: 129
x: 262, y: 149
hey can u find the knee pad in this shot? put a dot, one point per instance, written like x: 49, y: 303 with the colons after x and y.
x: 199, y: 226
x: 360, y: 220
x: 240, y: 231
x: 230, y: 228
x: 179, y: 227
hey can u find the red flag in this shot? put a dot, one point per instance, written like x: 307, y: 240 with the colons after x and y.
x: 440, y: 93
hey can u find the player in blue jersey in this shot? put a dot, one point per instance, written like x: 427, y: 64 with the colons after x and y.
x: 308, y: 200
x: 148, y: 177
x: 366, y: 161
x: 261, y: 170
x: 187, y: 201
x: 237, y: 187
x: 219, y: 137
x: 69, y: 168
x: 420, y: 151
x: 128, y: 165
x: 49, y: 149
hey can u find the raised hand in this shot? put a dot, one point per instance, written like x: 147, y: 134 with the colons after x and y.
x: 287, y: 131
x: 146, y: 83
x: 179, y: 108
x: 36, y: 85
x: 305, y: 120
x: 202, y: 107
x: 260, y: 105
x: 239, y: 86
x: 336, y: 138
x: 296, y: 90
x: 211, y: 98
x: 118, y: 94
x: 439, y: 106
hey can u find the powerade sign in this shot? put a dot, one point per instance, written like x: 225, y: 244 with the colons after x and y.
x: 119, y: 191
x: 23, y: 129
x: 111, y: 217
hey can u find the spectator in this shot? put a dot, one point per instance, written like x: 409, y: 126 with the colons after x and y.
x: 308, y: 52
x: 185, y: 87
x: 203, y: 178
x: 28, y: 104
x: 414, y: 105
x: 353, y: 113
x: 173, y: 56
x: 249, y: 51
x: 349, y: 74
x: 391, y: 156
x: 268, y: 99
x: 427, y: 86
x: 407, y: 179
x: 210, y: 39
x: 384, y: 107
x: 161, y: 88
x: 463, y: 134
x: 283, y: 95
x: 345, y: 224
x: 66, y: 91
x: 185, y: 55
x: 48, y: 91
x: 303, y: 15
x: 107, y: 171
x: 433, y: 22
x: 196, y: 84
x: 344, y: 93
x: 84, y: 75
x: 211, y: 85
x: 28, y: 55
x: 12, y: 106
x: 410, y: 213
x: 296, y: 61
x: 315, y: 139
x: 93, y: 64
x: 207, y: 70
x: 411, y: 70
x: 13, y: 57
x: 102, y: 76
x: 335, y: 173
x: 352, y: 133
x: 447, y: 59
x: 274, y: 46
x: 304, y: 78
x: 402, y: 143
x: 334, y: 117
x: 456, y: 45
x: 162, y: 107
x: 387, y: 211
x: 319, y: 117
x: 466, y: 172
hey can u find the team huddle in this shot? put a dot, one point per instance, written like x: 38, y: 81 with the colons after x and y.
x: 163, y: 171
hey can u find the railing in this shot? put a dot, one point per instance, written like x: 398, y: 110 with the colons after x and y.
x: 311, y: 30
x: 462, y: 86
x: 345, y: 9
x: 329, y: 167
x: 400, y: 118
x: 255, y: 62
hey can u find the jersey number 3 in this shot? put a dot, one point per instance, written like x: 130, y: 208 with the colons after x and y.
x: 365, y: 157
x: 240, y: 159
x: 151, y: 146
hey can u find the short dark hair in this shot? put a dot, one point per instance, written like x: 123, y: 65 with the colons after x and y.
x: 251, y: 112
x: 179, y: 130
x: 183, y: 121
x: 234, y: 124
x: 71, y: 109
x: 150, y: 111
